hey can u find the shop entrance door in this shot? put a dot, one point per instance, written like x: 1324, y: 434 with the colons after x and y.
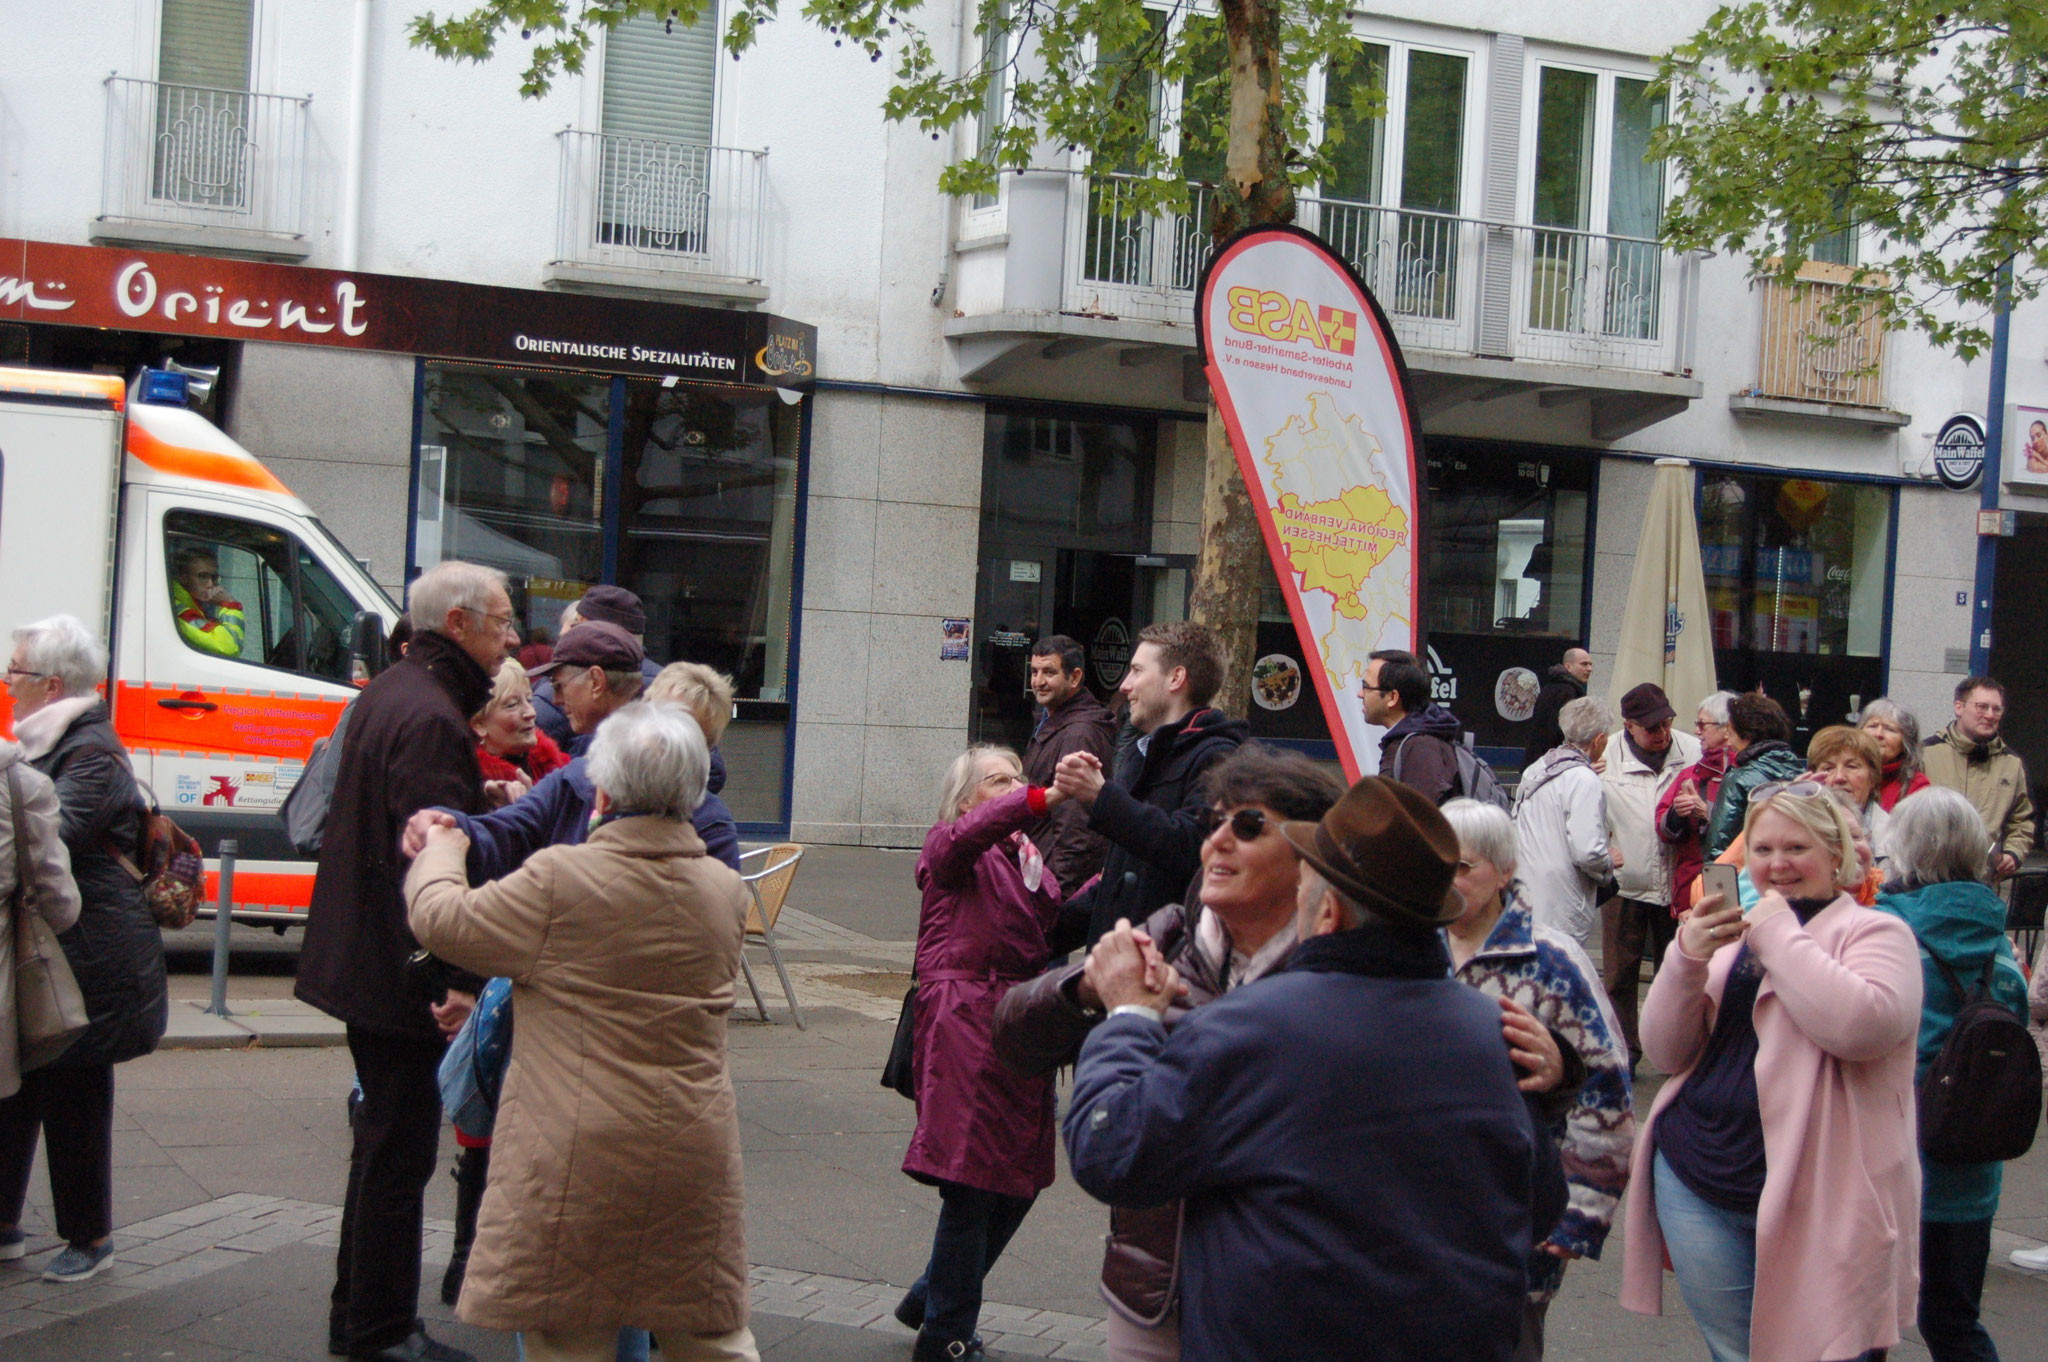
x: 1099, y: 599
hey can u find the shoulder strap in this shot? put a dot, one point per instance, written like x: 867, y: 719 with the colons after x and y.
x: 24, y: 875
x: 1948, y: 971
x: 1400, y: 750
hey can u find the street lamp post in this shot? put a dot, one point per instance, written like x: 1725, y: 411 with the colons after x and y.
x: 1994, y: 449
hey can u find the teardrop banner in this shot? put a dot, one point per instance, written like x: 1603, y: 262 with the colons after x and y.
x: 1311, y: 385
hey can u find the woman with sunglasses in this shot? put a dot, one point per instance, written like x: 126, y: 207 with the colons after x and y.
x: 1499, y: 949
x: 1238, y: 926
x: 1778, y: 1167
x: 984, y: 1133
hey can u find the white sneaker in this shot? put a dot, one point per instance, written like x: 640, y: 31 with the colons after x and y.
x: 2033, y: 1259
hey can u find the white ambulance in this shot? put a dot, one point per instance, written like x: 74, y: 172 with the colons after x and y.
x: 239, y: 626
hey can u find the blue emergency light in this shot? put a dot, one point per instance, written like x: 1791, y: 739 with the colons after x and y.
x: 161, y: 388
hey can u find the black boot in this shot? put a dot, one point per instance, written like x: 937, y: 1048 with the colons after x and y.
x: 472, y: 1172
x: 931, y: 1348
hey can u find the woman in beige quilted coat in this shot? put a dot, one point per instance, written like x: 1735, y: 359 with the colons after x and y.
x: 615, y: 1197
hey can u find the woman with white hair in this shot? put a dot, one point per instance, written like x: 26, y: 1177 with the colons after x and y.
x: 1498, y: 949
x: 1777, y: 1167
x: 115, y: 948
x: 1561, y: 821
x: 1897, y: 733
x: 1939, y: 858
x: 615, y: 1197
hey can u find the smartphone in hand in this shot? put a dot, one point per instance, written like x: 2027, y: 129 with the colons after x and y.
x: 1725, y: 880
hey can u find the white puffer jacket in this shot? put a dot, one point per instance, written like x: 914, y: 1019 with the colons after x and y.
x: 1561, y: 826
x: 1633, y: 790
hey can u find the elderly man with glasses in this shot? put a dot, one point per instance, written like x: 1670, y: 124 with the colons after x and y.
x: 1644, y: 761
x: 409, y: 747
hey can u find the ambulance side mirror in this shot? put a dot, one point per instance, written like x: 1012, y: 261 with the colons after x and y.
x: 366, y: 646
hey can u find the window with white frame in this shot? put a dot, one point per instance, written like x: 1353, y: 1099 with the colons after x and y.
x: 1597, y: 203
x: 995, y: 58
x: 202, y: 147
x: 656, y: 175
x: 1396, y: 186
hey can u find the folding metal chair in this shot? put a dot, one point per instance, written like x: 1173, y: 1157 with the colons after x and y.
x: 2025, y: 912
x: 769, y: 888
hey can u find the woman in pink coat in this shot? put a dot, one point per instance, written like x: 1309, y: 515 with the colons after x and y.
x: 984, y: 1131
x: 1778, y: 1166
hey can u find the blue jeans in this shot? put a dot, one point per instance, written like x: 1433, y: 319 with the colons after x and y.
x: 1713, y: 1252
x: 974, y: 1228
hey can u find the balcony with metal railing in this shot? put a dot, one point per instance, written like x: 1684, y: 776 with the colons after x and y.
x: 213, y: 169
x: 1820, y: 350
x: 1578, y: 297
x: 640, y: 216
x: 1482, y: 309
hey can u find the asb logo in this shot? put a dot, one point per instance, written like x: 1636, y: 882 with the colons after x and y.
x: 1279, y: 317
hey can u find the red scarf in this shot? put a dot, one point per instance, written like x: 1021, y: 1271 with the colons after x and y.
x: 529, y: 766
x: 1893, y: 789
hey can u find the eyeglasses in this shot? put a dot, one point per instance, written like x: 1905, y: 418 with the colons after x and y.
x: 1246, y: 825
x: 1001, y: 778
x: 1466, y: 867
x: 206, y: 576
x: 13, y: 672
x: 504, y: 622
x: 1807, y: 789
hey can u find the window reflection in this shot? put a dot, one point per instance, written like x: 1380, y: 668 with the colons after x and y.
x: 707, y: 514
x: 1507, y: 543
x: 1796, y: 565
x: 511, y: 474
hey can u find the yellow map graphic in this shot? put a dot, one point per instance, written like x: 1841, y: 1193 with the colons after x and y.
x: 1338, y: 525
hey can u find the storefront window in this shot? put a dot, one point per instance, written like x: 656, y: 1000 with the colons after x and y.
x: 1796, y: 571
x: 1066, y: 529
x: 1082, y: 483
x: 1507, y: 572
x: 1507, y: 541
x: 685, y: 495
x: 511, y: 474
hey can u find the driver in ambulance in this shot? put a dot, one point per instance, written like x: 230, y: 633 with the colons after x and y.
x: 208, y: 618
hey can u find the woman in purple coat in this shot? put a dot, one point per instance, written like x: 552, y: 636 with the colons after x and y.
x: 984, y: 1131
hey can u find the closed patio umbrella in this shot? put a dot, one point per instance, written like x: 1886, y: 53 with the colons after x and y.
x: 1666, y: 632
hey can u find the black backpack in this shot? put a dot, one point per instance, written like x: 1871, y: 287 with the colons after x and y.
x: 1980, y: 1100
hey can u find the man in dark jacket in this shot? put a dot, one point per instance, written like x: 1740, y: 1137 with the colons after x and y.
x: 1152, y: 813
x: 408, y: 746
x: 1418, y: 748
x: 1563, y: 684
x: 1070, y: 720
x: 599, y: 605
x: 598, y: 665
x: 1360, y: 1172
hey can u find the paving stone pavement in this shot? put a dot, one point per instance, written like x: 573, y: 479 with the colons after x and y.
x: 226, y: 1233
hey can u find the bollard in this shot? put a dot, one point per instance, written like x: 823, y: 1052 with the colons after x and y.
x: 223, y: 924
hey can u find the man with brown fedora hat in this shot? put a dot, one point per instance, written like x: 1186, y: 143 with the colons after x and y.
x: 1361, y: 1172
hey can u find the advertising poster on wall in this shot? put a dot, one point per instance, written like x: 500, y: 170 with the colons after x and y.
x: 2026, y: 449
x: 1311, y: 385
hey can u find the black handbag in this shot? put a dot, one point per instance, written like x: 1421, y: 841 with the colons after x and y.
x: 899, y: 1071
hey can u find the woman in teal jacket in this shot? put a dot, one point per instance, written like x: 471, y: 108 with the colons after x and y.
x: 1760, y: 736
x: 1939, y: 854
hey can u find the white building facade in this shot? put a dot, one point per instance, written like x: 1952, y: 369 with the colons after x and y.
x: 985, y: 412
